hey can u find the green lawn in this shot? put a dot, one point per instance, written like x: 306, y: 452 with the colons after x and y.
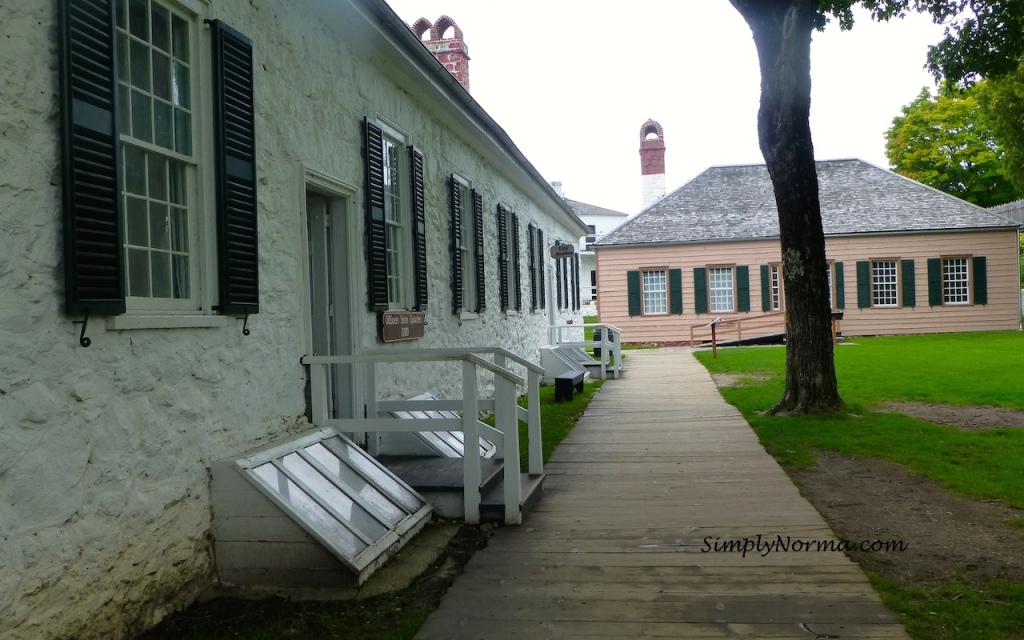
x: 966, y: 369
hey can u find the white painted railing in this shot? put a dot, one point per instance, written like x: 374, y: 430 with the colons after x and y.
x: 610, y: 344
x: 508, y: 414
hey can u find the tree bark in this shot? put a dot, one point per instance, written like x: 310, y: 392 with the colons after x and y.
x: 782, y: 34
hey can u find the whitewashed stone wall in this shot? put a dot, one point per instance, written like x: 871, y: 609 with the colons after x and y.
x: 104, y: 452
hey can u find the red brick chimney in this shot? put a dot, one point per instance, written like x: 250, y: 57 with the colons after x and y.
x: 652, y: 162
x: 451, y: 51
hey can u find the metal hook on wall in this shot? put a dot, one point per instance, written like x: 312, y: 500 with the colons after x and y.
x: 245, y: 326
x: 82, y: 340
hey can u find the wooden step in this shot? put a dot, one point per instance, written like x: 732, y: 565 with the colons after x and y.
x: 492, y: 504
x: 427, y: 474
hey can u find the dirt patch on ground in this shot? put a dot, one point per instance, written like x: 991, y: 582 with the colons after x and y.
x: 740, y: 380
x: 970, y: 418
x: 948, y: 535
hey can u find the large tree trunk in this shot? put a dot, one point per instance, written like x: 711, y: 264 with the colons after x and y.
x: 782, y: 33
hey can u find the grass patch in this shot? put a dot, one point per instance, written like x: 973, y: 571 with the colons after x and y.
x: 964, y: 369
x: 959, y: 611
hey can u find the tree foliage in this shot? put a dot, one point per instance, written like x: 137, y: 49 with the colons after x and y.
x: 948, y: 143
x: 1002, y: 99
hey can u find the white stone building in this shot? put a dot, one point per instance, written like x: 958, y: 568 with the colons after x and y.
x: 240, y: 183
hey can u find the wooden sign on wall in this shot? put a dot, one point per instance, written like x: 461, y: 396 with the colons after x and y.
x: 401, y: 325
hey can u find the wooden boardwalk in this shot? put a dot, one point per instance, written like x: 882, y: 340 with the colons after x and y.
x: 616, y: 548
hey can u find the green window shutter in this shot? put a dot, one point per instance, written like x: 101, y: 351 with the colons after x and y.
x: 235, y: 153
x: 863, y: 284
x: 531, y: 242
x: 909, y: 285
x: 935, y: 282
x: 839, y: 283
x: 456, y: 243
x: 980, y: 279
x: 558, y: 282
x: 419, y: 229
x: 633, y: 293
x: 376, y: 242
x: 503, y: 256
x: 91, y: 160
x: 700, y: 290
x: 743, y: 287
x: 766, y: 289
x: 675, y: 291
x: 542, y: 277
x: 517, y: 271
x: 478, y: 221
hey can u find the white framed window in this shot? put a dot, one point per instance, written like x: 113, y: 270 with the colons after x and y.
x: 467, y: 245
x: 655, y: 292
x: 775, y: 282
x: 884, y: 283
x: 956, y: 281
x: 396, y: 218
x: 160, y: 161
x: 720, y: 289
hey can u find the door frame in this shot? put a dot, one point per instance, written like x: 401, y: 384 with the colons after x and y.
x: 345, y: 197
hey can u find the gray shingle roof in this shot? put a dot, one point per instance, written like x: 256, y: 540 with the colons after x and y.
x: 1012, y: 210
x: 583, y: 209
x: 737, y: 203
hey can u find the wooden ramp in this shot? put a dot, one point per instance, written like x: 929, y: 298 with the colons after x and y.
x: 658, y: 469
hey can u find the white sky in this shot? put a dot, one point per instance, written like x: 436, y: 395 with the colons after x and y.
x: 571, y: 81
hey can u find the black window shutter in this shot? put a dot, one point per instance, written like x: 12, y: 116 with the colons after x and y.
x: 980, y: 265
x: 531, y: 242
x: 576, y: 281
x: 456, y: 243
x: 766, y: 288
x: 863, y: 284
x: 517, y: 271
x: 743, y: 287
x: 700, y: 290
x: 839, y: 284
x: 675, y: 290
x: 541, y: 276
x: 503, y: 256
x: 633, y: 293
x: 90, y: 154
x: 478, y: 227
x: 376, y: 228
x: 934, y: 282
x: 558, y: 282
x: 419, y: 229
x: 909, y: 284
x: 235, y: 136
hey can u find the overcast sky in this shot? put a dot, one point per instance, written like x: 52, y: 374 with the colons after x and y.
x: 572, y: 82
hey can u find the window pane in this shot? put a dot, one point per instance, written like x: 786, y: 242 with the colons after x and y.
x: 159, y: 227
x: 120, y: 9
x: 179, y: 185
x: 182, y: 132
x: 122, y: 58
x: 138, y: 18
x: 163, y: 134
x: 124, y: 120
x: 161, y: 76
x: 161, y: 28
x: 157, y: 177
x: 139, y: 54
x: 161, y: 263
x: 181, y: 90
x: 180, y: 36
x: 136, y: 227
x: 134, y: 170
x: 138, y: 273
x: 180, y: 274
x: 142, y: 116
x: 179, y: 229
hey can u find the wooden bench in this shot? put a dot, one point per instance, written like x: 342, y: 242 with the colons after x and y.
x: 564, y: 384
